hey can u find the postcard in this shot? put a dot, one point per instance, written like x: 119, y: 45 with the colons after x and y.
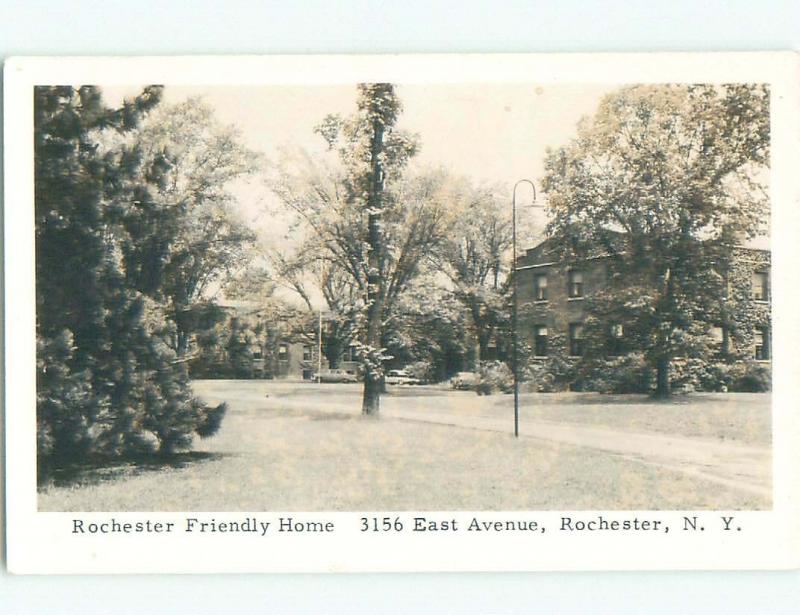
x: 402, y: 313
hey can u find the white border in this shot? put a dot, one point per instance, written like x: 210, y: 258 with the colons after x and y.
x: 40, y: 542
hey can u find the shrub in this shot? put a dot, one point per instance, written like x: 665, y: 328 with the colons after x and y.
x: 750, y: 377
x: 421, y: 370
x: 626, y: 374
x: 715, y: 377
x: 692, y: 374
x: 494, y: 376
x: 740, y: 376
x: 549, y: 375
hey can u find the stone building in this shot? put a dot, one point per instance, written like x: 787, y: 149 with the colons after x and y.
x: 247, y: 343
x: 253, y: 344
x: 553, y: 295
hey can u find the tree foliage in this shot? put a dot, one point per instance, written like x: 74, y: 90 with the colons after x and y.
x: 191, y: 238
x: 107, y: 383
x: 474, y: 255
x: 664, y: 180
x: 428, y: 325
x: 371, y: 223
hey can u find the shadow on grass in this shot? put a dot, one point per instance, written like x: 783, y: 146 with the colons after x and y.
x: 97, y: 470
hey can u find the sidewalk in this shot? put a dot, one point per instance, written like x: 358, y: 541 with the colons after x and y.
x: 747, y: 468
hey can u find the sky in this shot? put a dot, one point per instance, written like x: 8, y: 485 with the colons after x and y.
x: 489, y: 132
x: 493, y: 133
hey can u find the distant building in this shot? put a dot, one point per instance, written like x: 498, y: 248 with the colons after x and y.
x: 556, y: 292
x: 256, y: 346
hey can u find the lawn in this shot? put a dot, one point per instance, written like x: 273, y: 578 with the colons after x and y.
x: 274, y: 458
x: 745, y: 418
x: 740, y: 417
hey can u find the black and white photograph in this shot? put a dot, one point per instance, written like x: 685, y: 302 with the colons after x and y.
x: 382, y: 296
x: 409, y: 305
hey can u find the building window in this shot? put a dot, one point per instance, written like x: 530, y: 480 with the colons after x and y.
x: 257, y: 353
x: 576, y: 339
x: 540, y: 341
x: 761, y: 339
x: 540, y: 287
x: 491, y: 351
x: 760, y: 286
x: 350, y: 355
x: 616, y: 333
x: 575, y: 284
x: 306, y: 353
x: 283, y: 352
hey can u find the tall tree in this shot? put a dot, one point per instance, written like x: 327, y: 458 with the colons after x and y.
x: 366, y: 217
x: 664, y: 180
x: 474, y: 255
x: 107, y: 383
x: 429, y: 330
x: 307, y: 269
x: 192, y: 237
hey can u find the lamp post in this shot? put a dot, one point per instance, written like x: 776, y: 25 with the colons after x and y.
x: 514, y: 356
x: 319, y: 329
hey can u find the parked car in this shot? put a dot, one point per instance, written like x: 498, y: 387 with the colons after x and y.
x: 464, y: 381
x: 400, y: 376
x: 335, y: 375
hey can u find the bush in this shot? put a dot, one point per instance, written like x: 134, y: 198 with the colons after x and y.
x: 716, y: 377
x: 421, y: 370
x: 494, y: 376
x: 739, y: 377
x: 692, y: 374
x: 551, y: 375
x: 750, y: 377
x: 627, y: 374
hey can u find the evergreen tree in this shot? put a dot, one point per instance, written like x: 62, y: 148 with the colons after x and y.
x: 108, y: 384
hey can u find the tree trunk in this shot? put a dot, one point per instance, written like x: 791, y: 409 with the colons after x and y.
x: 662, y: 378
x: 483, y: 345
x: 371, y: 402
x: 332, y: 349
x: 181, y: 320
x: 183, y: 343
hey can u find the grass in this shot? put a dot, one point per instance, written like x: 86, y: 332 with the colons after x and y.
x: 744, y: 418
x: 281, y: 459
x: 741, y: 417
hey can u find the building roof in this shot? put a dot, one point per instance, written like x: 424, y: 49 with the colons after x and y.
x: 549, y: 252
